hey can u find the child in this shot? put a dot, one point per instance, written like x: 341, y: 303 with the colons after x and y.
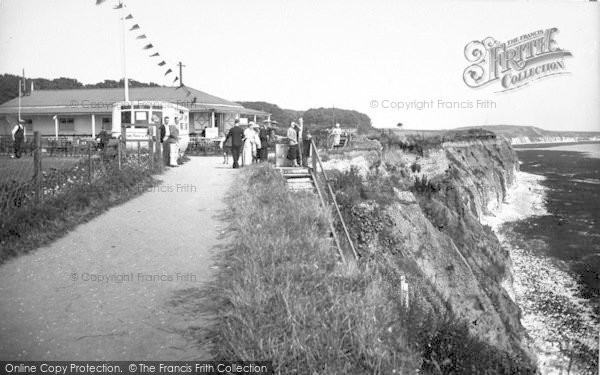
x: 226, y: 147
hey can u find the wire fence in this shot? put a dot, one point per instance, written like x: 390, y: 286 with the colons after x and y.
x: 51, y: 167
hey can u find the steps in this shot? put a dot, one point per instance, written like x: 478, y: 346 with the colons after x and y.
x: 298, y: 178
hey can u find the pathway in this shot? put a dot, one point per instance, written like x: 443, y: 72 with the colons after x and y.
x: 125, y: 285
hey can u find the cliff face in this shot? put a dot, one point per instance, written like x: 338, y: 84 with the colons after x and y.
x: 550, y: 139
x: 434, y: 222
x: 461, y: 258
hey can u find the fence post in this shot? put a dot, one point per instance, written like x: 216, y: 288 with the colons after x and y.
x: 151, y: 153
x: 119, y: 152
x: 89, y: 162
x: 159, y: 150
x: 138, y: 153
x: 37, y: 167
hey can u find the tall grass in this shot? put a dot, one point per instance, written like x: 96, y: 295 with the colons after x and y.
x: 282, y: 295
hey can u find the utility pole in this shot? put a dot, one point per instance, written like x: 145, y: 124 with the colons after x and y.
x: 180, y: 74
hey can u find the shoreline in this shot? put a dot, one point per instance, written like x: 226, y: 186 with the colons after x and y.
x: 543, y: 290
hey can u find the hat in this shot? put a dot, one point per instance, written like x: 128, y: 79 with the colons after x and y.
x: 21, y: 121
x: 337, y: 125
x: 253, y: 125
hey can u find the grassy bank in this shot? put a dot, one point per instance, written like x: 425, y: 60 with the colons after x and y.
x: 69, y: 200
x: 282, y: 295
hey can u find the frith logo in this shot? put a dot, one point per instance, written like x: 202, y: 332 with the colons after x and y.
x: 514, y: 63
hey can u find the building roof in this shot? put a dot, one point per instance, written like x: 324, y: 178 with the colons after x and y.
x: 100, y: 101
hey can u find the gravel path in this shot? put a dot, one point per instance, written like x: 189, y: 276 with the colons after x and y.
x: 125, y: 285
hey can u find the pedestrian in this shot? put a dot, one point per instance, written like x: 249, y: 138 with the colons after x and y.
x: 336, y: 133
x: 249, y: 146
x: 236, y: 136
x: 19, y: 136
x: 292, y: 136
x: 306, y: 140
x: 263, y: 136
x: 226, y: 147
x: 102, y: 139
x: 256, y: 144
x: 164, y: 135
x: 173, y: 141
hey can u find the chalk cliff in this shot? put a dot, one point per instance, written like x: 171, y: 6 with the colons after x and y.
x: 433, y: 222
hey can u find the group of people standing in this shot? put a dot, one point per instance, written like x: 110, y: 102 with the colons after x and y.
x: 299, y: 144
x: 251, y: 143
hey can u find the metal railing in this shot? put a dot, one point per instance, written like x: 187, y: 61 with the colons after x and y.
x: 316, y: 161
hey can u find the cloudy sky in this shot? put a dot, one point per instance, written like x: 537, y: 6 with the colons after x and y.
x: 362, y: 55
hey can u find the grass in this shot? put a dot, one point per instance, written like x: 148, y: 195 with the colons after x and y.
x: 30, y: 226
x: 282, y: 295
x: 21, y: 169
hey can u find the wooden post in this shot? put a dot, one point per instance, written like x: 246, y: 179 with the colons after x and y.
x: 119, y: 146
x: 151, y: 152
x: 138, y: 153
x: 37, y: 167
x: 159, y: 150
x: 89, y: 162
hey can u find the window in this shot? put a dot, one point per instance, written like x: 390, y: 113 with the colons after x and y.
x: 106, y: 123
x: 126, y: 117
x: 66, y: 124
x: 141, y: 117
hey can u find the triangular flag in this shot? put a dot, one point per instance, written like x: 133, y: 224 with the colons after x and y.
x: 162, y: 63
x: 168, y: 71
x: 98, y: 2
x: 155, y: 54
x: 143, y: 36
x: 176, y: 79
x: 118, y: 6
x: 130, y: 16
x: 148, y: 46
x: 134, y: 27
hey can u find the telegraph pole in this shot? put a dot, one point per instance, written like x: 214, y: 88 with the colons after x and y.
x: 180, y: 74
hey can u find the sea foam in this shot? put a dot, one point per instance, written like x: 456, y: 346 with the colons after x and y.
x: 556, y: 319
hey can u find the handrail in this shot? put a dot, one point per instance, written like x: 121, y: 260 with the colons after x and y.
x: 317, y: 159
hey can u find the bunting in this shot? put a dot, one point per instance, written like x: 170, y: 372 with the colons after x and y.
x: 148, y: 46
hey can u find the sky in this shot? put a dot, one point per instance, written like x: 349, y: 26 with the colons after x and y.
x: 368, y: 55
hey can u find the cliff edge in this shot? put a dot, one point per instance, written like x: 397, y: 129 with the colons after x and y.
x: 427, y: 206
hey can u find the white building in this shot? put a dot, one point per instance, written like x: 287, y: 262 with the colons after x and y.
x: 84, y: 112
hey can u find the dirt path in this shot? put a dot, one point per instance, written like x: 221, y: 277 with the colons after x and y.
x: 154, y: 253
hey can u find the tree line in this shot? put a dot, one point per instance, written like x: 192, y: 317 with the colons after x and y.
x: 9, y: 85
x: 314, y: 117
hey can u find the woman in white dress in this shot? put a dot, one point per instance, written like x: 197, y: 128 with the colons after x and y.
x: 248, y: 145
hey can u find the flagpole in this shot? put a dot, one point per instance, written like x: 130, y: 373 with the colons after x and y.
x: 19, y: 119
x: 126, y: 81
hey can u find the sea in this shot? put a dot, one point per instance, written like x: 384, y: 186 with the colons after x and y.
x: 550, y: 222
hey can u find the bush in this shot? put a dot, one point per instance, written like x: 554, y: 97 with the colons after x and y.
x: 68, y: 199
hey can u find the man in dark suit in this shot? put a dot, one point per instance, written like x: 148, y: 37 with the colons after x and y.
x: 236, y: 134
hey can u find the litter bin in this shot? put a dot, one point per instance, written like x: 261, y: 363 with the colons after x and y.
x: 281, y: 151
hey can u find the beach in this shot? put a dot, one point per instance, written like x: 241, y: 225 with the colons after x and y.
x: 548, y: 222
